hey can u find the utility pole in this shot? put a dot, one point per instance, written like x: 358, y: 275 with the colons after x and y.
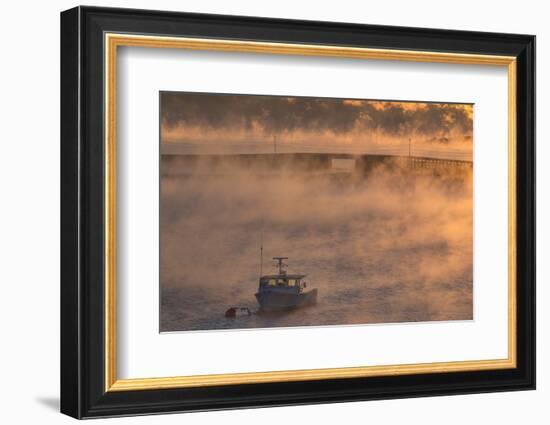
x: 409, y: 147
x: 275, y: 144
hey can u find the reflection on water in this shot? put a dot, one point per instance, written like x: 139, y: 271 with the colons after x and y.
x: 390, y: 245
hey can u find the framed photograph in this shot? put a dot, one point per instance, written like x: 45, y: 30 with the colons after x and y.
x: 261, y: 212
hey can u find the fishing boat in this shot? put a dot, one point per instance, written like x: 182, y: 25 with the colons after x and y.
x: 284, y: 291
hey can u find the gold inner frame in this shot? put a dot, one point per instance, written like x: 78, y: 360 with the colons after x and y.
x: 113, y: 41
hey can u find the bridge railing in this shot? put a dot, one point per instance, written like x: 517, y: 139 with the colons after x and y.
x: 423, y: 150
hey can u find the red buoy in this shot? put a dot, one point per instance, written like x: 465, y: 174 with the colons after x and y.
x: 237, y: 311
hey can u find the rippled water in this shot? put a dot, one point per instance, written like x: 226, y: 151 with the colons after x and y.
x: 393, y: 246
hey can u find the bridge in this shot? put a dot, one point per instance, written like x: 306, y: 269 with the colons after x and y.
x: 433, y: 163
x: 410, y: 148
x: 333, y: 163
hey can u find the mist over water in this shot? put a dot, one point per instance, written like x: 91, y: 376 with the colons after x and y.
x: 393, y: 244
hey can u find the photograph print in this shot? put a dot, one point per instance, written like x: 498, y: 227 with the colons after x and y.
x: 285, y: 211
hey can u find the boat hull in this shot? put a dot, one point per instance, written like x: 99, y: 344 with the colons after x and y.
x: 275, y: 300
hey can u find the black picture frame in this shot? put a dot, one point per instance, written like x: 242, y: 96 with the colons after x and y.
x: 83, y: 392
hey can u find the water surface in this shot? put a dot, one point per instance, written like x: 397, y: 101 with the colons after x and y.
x: 391, y: 245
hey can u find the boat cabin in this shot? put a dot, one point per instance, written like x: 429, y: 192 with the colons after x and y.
x: 283, y: 281
x: 283, y: 291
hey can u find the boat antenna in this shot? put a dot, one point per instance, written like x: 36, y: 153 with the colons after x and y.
x: 262, y: 247
x: 280, y: 264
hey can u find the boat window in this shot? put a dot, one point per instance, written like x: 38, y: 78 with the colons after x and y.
x: 291, y: 282
x: 272, y: 282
